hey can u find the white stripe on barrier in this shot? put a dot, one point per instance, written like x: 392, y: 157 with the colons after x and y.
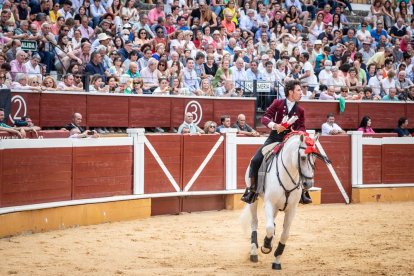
x: 388, y: 141
x: 162, y: 165
x: 203, y: 164
x: 333, y: 173
x: 408, y: 185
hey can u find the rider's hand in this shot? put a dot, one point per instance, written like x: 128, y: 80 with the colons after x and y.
x: 279, y: 128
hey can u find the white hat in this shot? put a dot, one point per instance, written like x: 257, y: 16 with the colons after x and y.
x: 103, y: 36
x: 237, y: 48
x: 318, y: 41
x: 216, y: 32
x: 292, y: 59
x: 127, y: 26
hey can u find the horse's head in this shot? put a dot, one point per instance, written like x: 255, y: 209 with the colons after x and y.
x: 306, y: 160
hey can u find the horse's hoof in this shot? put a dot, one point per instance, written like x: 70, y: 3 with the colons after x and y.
x: 254, y: 258
x: 265, y: 250
x: 276, y: 266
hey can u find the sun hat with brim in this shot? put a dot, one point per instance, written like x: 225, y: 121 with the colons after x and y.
x: 103, y: 36
x: 318, y: 42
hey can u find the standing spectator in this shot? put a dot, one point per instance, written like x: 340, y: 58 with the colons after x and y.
x: 243, y: 127
x: 401, y: 129
x: 330, y: 127
x: 365, y: 125
x: 189, y: 124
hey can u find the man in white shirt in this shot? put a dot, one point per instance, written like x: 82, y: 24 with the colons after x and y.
x: 239, y: 74
x: 190, y: 125
x: 375, y: 83
x: 330, y: 128
x: 248, y: 22
x: 308, y: 75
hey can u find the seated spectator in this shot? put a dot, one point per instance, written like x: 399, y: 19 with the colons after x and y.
x: 68, y: 83
x: 402, y: 128
x: 369, y: 96
x: 375, y: 83
x: 137, y: 86
x: 392, y: 95
x: 225, y: 124
x: 21, y: 82
x: 243, y: 127
x: 2, y: 81
x: 190, y: 125
x: 365, y: 125
x: 191, y: 80
x: 325, y: 74
x: 76, y: 130
x: 33, y: 67
x: 27, y: 125
x: 34, y: 83
x: 150, y: 76
x: 49, y: 83
x: 210, y: 127
x: 336, y: 81
x: 227, y: 90
x: 328, y: 94
x: 330, y: 127
x: 96, y: 84
x: 20, y: 132
x: 402, y: 83
x: 18, y: 64
x: 206, y: 88
x: 95, y: 66
x: 387, y: 83
x: 345, y: 93
x: 163, y: 89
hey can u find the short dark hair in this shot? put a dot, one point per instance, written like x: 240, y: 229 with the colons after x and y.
x: 330, y: 114
x: 305, y: 56
x: 401, y: 121
x: 290, y: 86
x: 223, y: 118
x: 200, y: 55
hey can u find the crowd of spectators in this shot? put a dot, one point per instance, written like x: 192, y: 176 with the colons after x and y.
x: 209, y: 47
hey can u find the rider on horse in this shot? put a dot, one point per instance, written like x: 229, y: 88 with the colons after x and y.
x: 273, y: 119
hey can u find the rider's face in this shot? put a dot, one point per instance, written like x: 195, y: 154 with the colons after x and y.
x: 297, y: 94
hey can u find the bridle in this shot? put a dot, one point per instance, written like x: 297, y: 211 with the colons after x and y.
x: 302, y: 176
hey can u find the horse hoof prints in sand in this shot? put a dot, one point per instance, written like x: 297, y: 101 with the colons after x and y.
x: 290, y: 171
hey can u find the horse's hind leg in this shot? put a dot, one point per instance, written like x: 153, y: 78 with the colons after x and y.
x: 254, y: 244
x: 270, y: 228
x: 287, y: 222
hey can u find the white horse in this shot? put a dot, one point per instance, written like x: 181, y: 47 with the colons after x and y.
x: 291, y: 170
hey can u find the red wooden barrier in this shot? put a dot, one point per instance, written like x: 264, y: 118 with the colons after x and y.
x: 56, y: 109
x: 107, y: 110
x: 397, y: 164
x: 383, y: 115
x: 150, y: 111
x: 244, y: 154
x: 26, y: 104
x: 338, y: 149
x: 102, y: 171
x: 35, y: 176
x: 169, y: 149
x: 371, y: 164
x: 179, y: 106
x: 41, y: 134
x: 195, y: 151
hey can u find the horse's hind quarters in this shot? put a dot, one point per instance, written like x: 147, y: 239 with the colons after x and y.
x: 276, y: 266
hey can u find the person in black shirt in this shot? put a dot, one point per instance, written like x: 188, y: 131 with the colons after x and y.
x: 402, y: 128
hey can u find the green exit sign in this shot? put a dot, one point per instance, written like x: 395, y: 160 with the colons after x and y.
x: 29, y: 45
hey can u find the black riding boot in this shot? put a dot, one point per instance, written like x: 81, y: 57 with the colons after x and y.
x: 305, y: 197
x: 250, y: 195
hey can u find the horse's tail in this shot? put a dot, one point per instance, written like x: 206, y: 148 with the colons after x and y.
x: 246, y: 218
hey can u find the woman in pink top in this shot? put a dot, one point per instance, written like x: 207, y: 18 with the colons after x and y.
x: 365, y: 125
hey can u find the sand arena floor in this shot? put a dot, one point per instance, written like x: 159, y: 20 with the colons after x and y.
x: 335, y: 239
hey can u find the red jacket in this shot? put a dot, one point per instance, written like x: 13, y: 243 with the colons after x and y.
x: 278, y: 109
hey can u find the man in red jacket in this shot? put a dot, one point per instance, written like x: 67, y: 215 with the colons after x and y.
x: 273, y: 119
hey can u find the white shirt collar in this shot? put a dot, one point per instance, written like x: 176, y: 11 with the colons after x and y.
x: 289, y: 105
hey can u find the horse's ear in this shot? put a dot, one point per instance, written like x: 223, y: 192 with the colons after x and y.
x: 301, y: 138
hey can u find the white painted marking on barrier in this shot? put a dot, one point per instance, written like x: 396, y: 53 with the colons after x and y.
x: 203, y: 164
x: 334, y: 175
x: 162, y: 165
x: 367, y: 186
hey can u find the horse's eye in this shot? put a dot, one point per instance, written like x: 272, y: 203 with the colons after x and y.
x: 303, y: 158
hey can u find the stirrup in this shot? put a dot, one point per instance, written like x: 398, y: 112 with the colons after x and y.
x: 249, y: 196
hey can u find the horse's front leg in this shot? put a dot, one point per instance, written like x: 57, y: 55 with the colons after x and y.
x: 287, y: 222
x: 270, y: 227
x: 254, y: 244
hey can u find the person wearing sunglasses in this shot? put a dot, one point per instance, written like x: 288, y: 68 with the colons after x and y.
x: 210, y: 127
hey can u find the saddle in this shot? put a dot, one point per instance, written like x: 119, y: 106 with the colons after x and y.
x: 268, y: 152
